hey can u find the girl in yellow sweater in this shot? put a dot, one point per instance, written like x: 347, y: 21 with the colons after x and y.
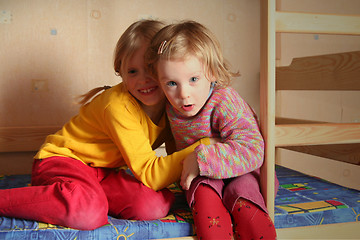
x: 76, y: 181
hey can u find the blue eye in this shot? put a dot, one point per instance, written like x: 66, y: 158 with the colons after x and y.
x: 194, y: 79
x: 171, y: 83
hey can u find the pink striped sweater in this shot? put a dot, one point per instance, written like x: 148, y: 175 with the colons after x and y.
x: 227, y: 116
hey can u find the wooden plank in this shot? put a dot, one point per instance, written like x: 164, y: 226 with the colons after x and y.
x: 349, y: 153
x: 22, y: 139
x: 283, y: 120
x: 350, y: 230
x: 339, y: 172
x: 328, y: 231
x: 325, y: 72
x: 14, y: 163
x: 267, y: 100
x: 180, y: 238
x: 316, y: 134
x: 297, y: 22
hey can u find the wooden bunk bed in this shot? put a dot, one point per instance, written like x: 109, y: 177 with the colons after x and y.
x: 340, y: 141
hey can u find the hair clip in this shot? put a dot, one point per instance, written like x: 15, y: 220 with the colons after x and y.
x: 161, y: 47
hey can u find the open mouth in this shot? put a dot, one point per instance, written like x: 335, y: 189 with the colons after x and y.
x: 188, y: 107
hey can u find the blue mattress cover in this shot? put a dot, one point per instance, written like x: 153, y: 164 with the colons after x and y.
x: 304, y: 200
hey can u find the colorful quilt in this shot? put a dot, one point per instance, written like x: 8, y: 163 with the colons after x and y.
x: 301, y: 201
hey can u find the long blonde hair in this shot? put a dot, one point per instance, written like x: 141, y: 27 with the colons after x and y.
x: 177, y: 41
x: 130, y: 41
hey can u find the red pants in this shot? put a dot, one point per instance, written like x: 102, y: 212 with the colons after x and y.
x: 67, y: 192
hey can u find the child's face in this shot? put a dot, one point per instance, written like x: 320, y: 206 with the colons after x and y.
x: 139, y: 83
x: 184, y: 84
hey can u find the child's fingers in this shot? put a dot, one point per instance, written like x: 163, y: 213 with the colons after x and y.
x: 184, y: 182
x: 185, y: 186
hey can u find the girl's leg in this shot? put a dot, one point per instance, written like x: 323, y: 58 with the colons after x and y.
x: 128, y: 198
x: 64, y: 192
x: 250, y: 219
x: 212, y: 220
x: 251, y: 222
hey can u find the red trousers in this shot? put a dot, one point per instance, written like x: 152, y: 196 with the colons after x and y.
x: 67, y: 192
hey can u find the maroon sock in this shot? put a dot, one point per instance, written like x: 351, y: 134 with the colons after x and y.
x: 251, y: 222
x: 211, y: 218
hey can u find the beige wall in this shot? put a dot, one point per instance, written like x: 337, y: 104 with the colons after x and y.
x: 54, y: 50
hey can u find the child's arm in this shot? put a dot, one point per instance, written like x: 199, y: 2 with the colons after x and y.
x: 191, y: 167
x: 190, y: 170
x: 242, y: 147
x: 133, y: 142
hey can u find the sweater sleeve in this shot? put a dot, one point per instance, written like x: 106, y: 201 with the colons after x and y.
x: 134, y: 141
x: 242, y: 147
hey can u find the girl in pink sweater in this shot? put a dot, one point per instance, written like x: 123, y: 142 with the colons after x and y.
x: 222, y: 180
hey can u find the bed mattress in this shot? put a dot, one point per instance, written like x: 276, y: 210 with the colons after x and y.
x: 302, y: 200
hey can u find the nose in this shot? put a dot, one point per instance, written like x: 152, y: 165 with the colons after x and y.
x: 184, y: 92
x: 148, y: 77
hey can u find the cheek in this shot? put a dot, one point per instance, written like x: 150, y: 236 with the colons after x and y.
x: 129, y: 82
x: 170, y: 97
x: 162, y: 85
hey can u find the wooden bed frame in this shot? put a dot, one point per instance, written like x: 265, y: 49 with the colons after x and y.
x: 340, y: 141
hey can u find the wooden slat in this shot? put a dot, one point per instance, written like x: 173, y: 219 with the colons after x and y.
x: 325, y: 72
x: 349, y: 153
x: 267, y: 101
x: 316, y: 134
x: 296, y: 22
x: 284, y: 120
x: 180, y: 238
x: 349, y: 230
x: 22, y: 139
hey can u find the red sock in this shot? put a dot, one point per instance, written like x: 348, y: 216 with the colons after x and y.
x: 251, y: 222
x: 211, y: 218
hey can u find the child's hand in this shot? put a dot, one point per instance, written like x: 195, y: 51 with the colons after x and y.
x: 190, y: 171
x: 215, y: 140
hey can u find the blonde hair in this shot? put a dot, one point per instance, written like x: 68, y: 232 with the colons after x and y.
x: 131, y: 40
x: 177, y: 41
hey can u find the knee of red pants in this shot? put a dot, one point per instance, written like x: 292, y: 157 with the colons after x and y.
x: 87, y: 219
x: 149, y: 205
x: 85, y: 209
x: 75, y: 197
x: 62, y: 203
